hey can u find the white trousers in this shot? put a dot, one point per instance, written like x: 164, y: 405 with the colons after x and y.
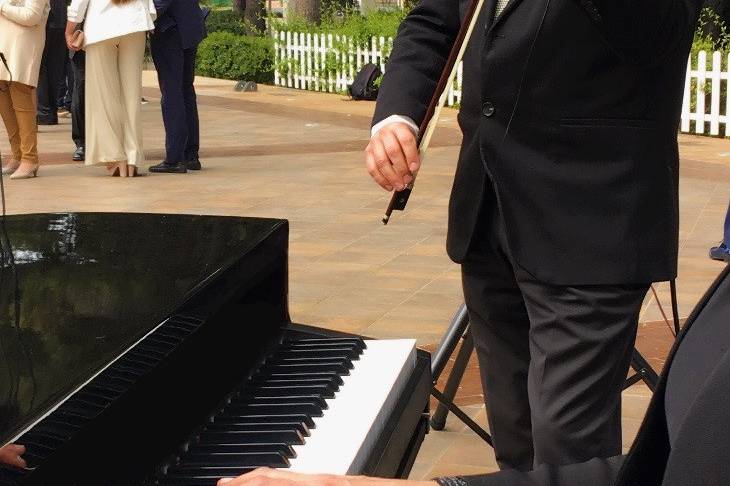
x: 113, y: 94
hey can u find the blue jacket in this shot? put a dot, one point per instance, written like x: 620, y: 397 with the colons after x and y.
x: 186, y: 15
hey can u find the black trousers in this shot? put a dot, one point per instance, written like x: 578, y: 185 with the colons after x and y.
x: 51, y: 74
x: 176, y: 73
x: 553, y: 359
x: 78, y: 99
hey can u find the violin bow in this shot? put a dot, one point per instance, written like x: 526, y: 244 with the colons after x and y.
x: 400, y: 198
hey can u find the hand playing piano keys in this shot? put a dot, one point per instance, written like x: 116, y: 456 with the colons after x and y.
x: 281, y: 477
x: 11, y: 455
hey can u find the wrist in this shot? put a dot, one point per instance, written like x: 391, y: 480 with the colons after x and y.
x: 394, y: 119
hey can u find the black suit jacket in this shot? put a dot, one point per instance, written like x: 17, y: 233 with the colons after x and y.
x: 571, y: 107
x: 694, y: 449
x: 186, y: 15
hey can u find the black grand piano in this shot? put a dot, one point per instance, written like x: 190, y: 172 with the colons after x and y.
x: 158, y: 350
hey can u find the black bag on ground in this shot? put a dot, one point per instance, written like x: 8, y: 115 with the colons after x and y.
x: 363, y: 86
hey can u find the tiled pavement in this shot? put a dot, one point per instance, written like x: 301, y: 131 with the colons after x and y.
x: 298, y: 155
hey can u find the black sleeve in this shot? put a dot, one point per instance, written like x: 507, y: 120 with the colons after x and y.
x: 419, y: 55
x: 644, y: 31
x: 596, y: 472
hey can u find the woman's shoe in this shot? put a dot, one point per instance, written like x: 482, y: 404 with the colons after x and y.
x: 26, y: 170
x: 131, y: 171
x: 10, y: 167
x: 114, y: 168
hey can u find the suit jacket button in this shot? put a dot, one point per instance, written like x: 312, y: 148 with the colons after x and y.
x: 488, y: 109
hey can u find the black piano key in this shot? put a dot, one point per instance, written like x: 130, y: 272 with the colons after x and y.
x: 75, y: 414
x: 252, y: 427
x: 283, y: 391
x: 157, y: 338
x: 327, y: 367
x: 152, y: 351
x: 133, y: 371
x: 141, y: 359
x: 355, y: 341
x: 285, y: 450
x: 56, y: 429
x: 276, y: 409
x: 333, y: 378
x: 342, y: 360
x: 172, y: 332
x: 254, y: 437
x: 268, y: 375
x: 246, y: 398
x: 34, y: 439
x: 122, y: 377
x: 268, y: 418
x: 322, y: 353
x: 109, y: 387
x: 249, y: 459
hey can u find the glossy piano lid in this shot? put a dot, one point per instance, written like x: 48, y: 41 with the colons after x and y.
x: 91, y: 284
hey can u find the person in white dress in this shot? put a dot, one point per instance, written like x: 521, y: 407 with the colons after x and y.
x: 114, y: 39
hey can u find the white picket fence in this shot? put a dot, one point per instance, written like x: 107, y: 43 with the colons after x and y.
x: 706, y: 104
x: 327, y: 62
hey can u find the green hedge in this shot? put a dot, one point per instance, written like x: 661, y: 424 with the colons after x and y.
x: 225, y: 21
x: 229, y: 56
x: 360, y: 28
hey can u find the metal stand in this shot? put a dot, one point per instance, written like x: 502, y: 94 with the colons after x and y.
x: 459, y: 329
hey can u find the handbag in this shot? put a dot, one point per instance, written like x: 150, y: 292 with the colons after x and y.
x: 78, y: 40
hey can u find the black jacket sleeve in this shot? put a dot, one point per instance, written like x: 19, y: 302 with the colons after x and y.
x: 644, y: 31
x: 596, y: 472
x: 419, y: 55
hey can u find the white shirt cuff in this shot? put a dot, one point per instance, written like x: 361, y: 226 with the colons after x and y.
x: 394, y: 119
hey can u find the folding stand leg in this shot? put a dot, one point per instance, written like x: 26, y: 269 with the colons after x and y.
x: 438, y: 420
x: 644, y: 372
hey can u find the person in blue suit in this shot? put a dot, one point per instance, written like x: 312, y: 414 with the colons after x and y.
x: 179, y: 28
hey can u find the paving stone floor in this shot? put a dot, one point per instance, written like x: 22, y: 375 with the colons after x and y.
x: 298, y: 155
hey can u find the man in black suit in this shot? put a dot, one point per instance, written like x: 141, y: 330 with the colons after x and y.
x: 179, y: 29
x: 52, y: 64
x: 564, y: 204
x: 682, y: 441
x: 78, y: 101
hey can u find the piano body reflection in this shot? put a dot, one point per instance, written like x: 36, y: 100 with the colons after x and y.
x: 158, y: 349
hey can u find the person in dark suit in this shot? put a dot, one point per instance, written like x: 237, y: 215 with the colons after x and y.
x: 564, y: 205
x: 52, y: 64
x: 682, y: 441
x: 78, y: 102
x: 179, y: 29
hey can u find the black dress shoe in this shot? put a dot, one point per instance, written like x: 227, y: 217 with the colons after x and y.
x: 194, y: 164
x: 80, y: 154
x: 166, y: 168
x: 46, y: 121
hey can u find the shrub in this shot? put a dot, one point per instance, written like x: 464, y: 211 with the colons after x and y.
x: 360, y: 28
x: 225, y: 21
x: 230, y: 56
x: 711, y: 33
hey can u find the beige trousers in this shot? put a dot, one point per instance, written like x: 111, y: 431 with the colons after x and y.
x: 113, y: 95
x: 18, y: 111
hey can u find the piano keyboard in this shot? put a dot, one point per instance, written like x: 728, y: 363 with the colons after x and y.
x: 315, y: 405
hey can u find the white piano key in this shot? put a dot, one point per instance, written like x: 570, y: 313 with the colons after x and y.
x: 345, y: 433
